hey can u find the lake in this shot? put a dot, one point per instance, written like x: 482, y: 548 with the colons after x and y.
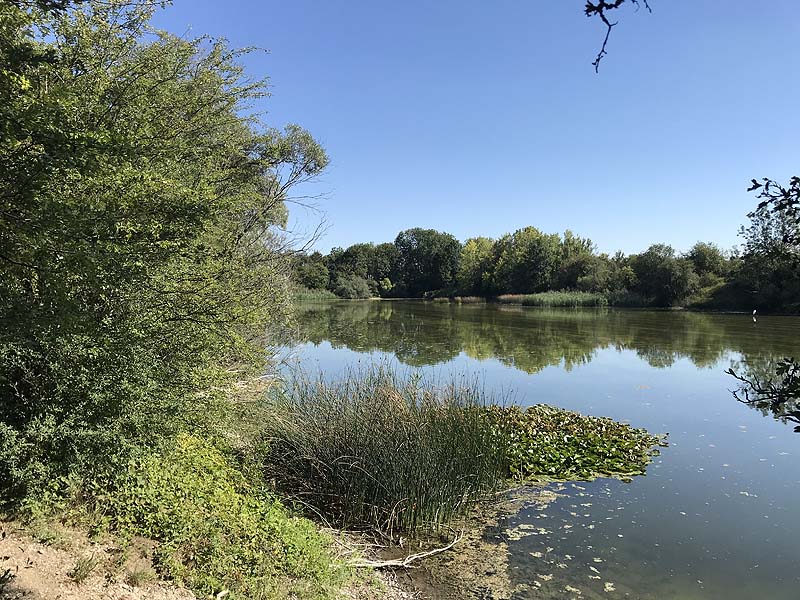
x: 715, y: 517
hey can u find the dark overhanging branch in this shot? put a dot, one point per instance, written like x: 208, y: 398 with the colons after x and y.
x: 600, y: 9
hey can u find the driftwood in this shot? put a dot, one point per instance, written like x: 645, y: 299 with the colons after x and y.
x: 403, y: 563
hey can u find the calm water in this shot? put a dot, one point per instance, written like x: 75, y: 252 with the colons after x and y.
x: 715, y: 517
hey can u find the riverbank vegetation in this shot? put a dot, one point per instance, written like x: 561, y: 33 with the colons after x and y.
x: 396, y: 454
x: 566, y: 270
x: 144, y: 255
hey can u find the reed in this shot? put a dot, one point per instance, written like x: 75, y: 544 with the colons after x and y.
x: 379, y: 451
x: 565, y: 299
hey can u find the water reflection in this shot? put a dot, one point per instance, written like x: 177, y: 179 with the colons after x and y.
x: 421, y: 334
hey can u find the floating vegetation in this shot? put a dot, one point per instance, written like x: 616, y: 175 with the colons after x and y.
x: 546, y: 442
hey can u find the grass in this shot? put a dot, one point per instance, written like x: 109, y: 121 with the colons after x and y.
x: 217, y: 531
x: 140, y: 577
x: 84, y: 567
x: 565, y: 299
x: 379, y: 451
x: 511, y: 298
x: 469, y: 300
x: 399, y: 454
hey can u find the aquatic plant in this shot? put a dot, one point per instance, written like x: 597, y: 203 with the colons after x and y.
x: 566, y: 299
x: 379, y: 451
x: 546, y: 442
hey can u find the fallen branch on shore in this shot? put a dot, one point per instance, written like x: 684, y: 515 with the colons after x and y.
x: 403, y: 563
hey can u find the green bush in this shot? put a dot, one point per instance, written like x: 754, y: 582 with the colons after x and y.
x: 216, y: 531
x: 353, y: 287
x: 141, y: 225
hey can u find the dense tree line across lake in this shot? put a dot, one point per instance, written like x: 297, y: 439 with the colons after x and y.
x: 429, y: 263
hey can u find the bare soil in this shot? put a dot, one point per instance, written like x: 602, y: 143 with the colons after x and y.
x: 38, y: 564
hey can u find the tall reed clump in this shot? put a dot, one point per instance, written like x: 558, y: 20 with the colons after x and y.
x: 565, y: 299
x: 377, y: 450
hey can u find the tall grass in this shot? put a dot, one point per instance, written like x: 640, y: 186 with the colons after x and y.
x: 566, y: 299
x: 378, y: 450
x: 511, y: 298
x: 388, y: 453
x: 469, y: 300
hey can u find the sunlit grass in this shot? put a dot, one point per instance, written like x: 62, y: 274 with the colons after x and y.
x: 377, y: 450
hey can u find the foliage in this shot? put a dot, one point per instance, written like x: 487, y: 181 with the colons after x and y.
x: 404, y: 454
x: 140, y: 236
x: 770, y: 267
x: 84, y: 566
x: 542, y: 441
x: 353, y: 287
x: 475, y: 266
x: 662, y: 276
x: 427, y: 260
x: 525, y: 261
x: 569, y: 299
x: 216, y: 531
x: 310, y: 271
x: 707, y: 259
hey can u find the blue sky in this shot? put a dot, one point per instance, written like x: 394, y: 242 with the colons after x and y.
x: 478, y: 118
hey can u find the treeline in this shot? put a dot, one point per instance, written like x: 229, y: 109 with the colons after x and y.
x: 429, y: 263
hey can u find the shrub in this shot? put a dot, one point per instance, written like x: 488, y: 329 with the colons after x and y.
x: 353, y: 287
x: 218, y: 532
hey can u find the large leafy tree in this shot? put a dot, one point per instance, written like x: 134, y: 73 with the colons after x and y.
x: 141, y: 241
x: 526, y: 261
x: 428, y: 260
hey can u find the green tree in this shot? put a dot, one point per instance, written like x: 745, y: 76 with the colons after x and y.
x: 770, y: 267
x: 708, y: 259
x: 475, y: 266
x: 140, y: 234
x: 662, y: 277
x: 428, y: 260
x: 525, y: 261
x: 352, y: 287
x: 577, y: 260
x: 310, y: 271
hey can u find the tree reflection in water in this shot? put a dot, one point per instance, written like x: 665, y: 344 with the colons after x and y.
x: 529, y: 339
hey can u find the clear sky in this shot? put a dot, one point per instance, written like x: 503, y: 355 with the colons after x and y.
x: 478, y: 118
